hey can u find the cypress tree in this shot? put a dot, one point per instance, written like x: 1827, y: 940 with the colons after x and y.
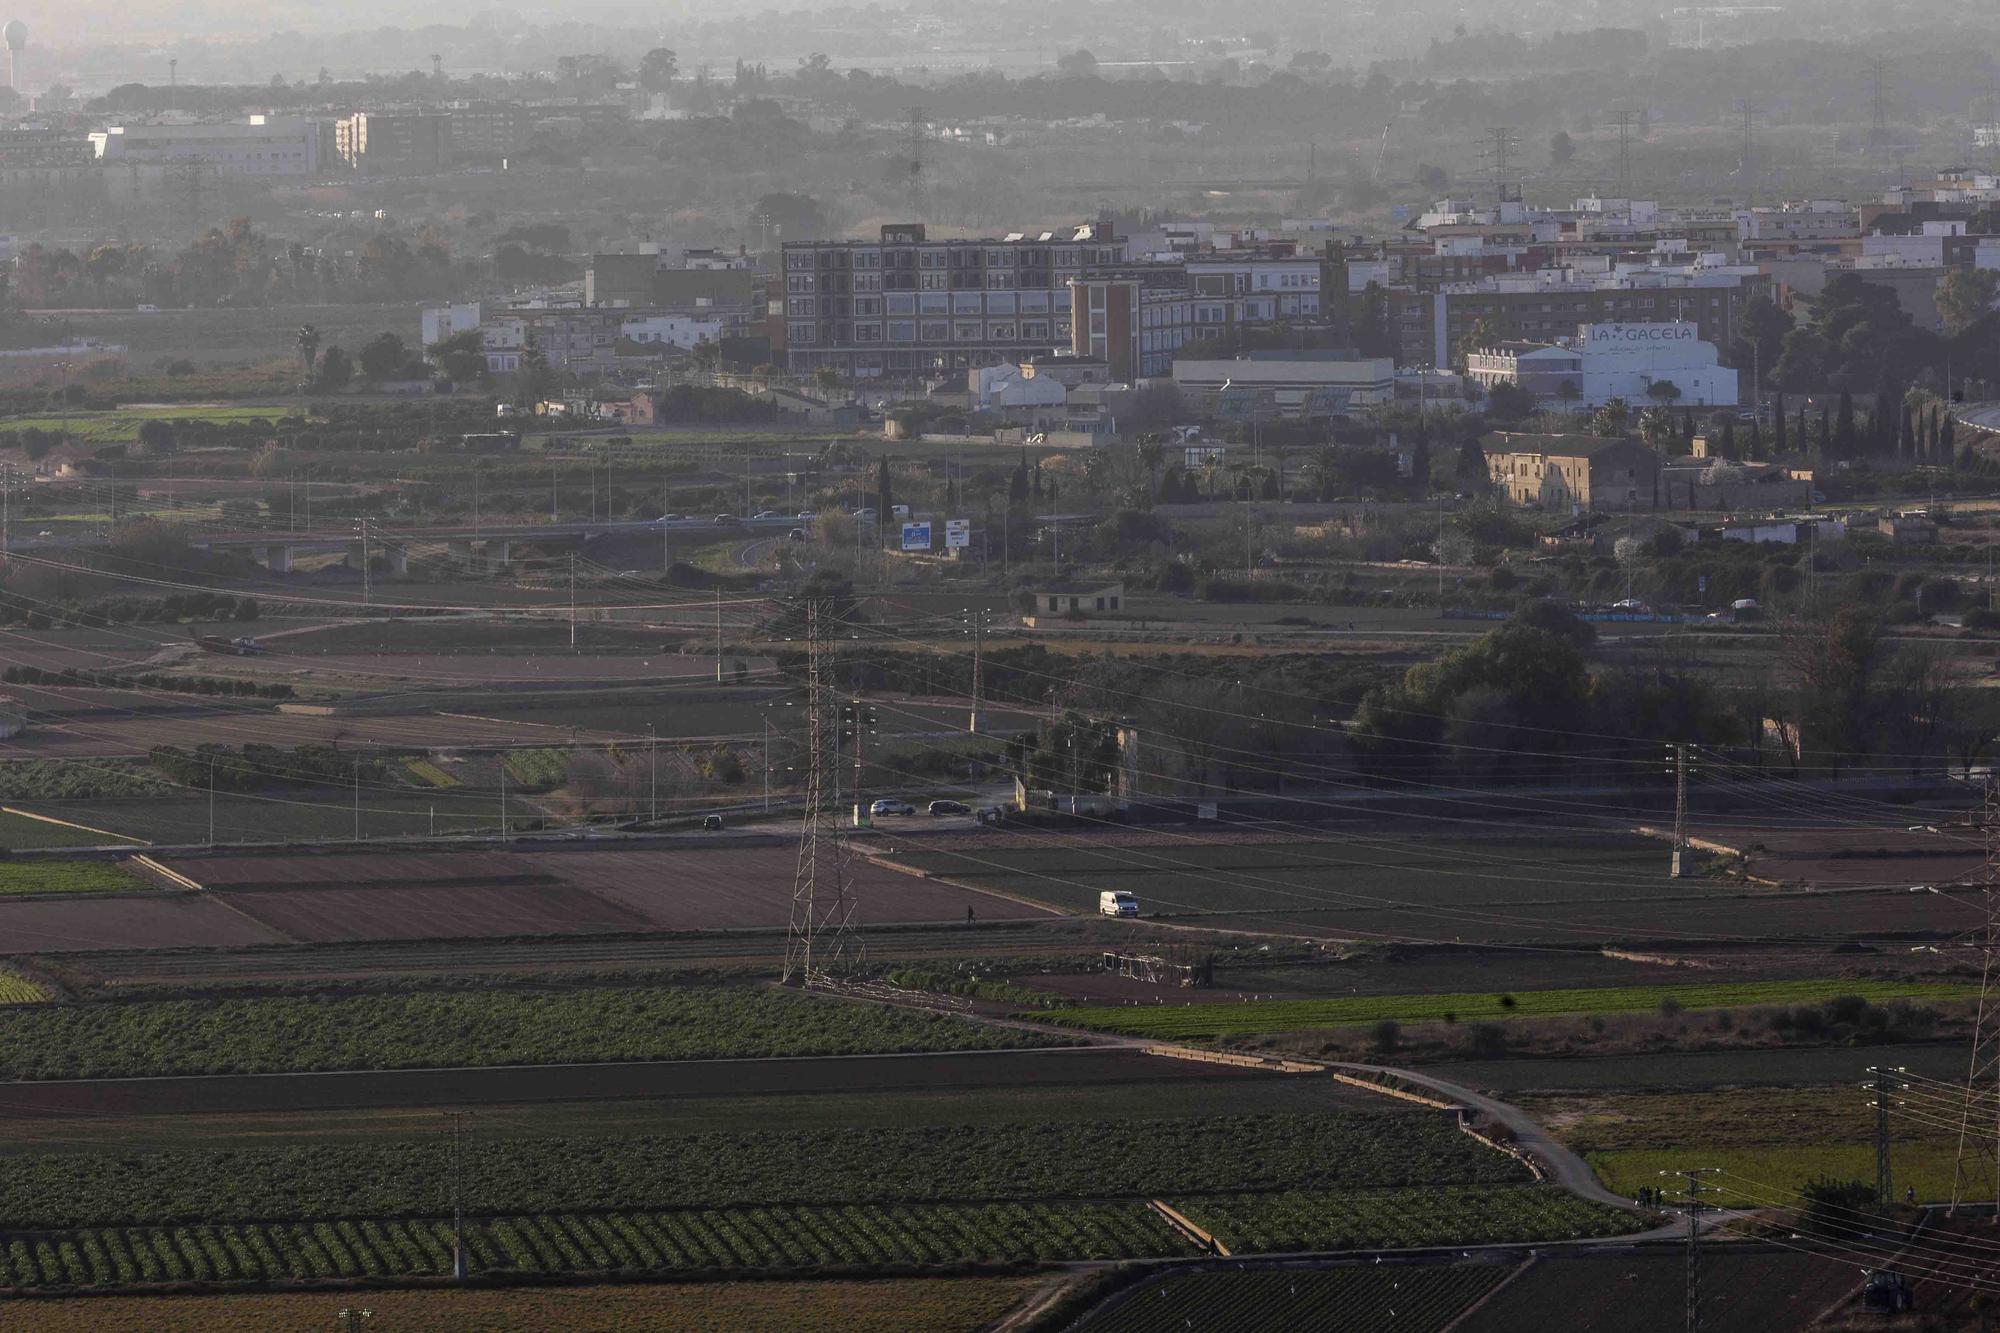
x: 1906, y: 439
x: 1778, y: 442
x: 1825, y: 431
x: 1846, y: 441
x: 1727, y: 445
x: 1756, y: 440
x: 1948, y: 444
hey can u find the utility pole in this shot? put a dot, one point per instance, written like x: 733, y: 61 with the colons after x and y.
x: 1878, y: 107
x: 367, y: 585
x: 1747, y: 166
x: 978, y: 666
x: 357, y: 798
x: 767, y: 763
x: 718, y: 634
x: 821, y: 930
x: 862, y: 717
x: 666, y: 535
x: 653, y: 771
x: 211, y: 800
x: 572, y: 599
x: 1680, y: 772
x: 457, y: 1195
x: 503, y: 794
x: 1882, y: 1087
x: 6, y: 512
x: 1691, y: 1192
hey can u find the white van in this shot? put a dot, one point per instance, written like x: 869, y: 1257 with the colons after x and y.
x: 1117, y: 902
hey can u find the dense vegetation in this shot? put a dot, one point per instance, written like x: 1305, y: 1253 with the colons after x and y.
x: 1339, y: 1220
x: 946, y: 1163
x: 463, y: 1029
x: 78, y: 780
x: 706, y: 1241
x: 67, y: 877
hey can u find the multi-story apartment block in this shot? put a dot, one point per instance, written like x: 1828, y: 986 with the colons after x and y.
x: 906, y: 306
x: 396, y: 143
x: 1433, y: 326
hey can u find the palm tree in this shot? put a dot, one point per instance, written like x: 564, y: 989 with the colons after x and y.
x: 308, y: 345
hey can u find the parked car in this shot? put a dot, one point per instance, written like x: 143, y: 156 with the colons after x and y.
x: 950, y: 808
x: 798, y: 534
x: 1117, y: 902
x: 713, y: 823
x: 724, y: 520
x: 806, y: 516
x: 769, y: 513
x: 889, y: 805
x: 669, y: 518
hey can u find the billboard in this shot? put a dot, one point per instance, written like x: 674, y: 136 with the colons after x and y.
x: 957, y: 534
x: 917, y: 536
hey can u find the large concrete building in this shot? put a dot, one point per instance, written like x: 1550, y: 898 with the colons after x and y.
x: 1635, y: 362
x: 1572, y: 473
x: 396, y: 143
x: 258, y: 146
x: 906, y: 306
x: 1301, y: 385
x: 1543, y: 305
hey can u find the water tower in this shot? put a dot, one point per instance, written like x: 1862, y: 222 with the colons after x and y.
x: 15, y: 35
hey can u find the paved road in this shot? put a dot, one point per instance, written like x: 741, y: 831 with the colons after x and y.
x: 1564, y: 1167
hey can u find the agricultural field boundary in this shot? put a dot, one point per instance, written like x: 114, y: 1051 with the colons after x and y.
x: 1237, y: 1059
x: 146, y: 865
x: 889, y: 863
x: 1514, y: 1275
x: 1398, y: 1093
x: 1204, y: 1239
x: 64, y: 823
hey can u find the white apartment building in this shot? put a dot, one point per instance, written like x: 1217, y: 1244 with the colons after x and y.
x: 259, y: 146
x: 671, y: 330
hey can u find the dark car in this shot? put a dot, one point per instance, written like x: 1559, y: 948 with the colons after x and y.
x: 950, y: 808
x: 712, y: 823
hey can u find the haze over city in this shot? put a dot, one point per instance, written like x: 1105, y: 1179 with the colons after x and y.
x: 1096, y: 668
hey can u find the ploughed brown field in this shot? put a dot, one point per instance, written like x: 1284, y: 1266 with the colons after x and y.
x: 138, y: 921
x: 439, y: 895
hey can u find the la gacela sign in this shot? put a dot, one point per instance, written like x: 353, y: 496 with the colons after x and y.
x: 1601, y: 335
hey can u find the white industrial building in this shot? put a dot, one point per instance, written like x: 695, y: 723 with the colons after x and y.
x: 684, y: 331
x: 259, y: 146
x: 1606, y: 361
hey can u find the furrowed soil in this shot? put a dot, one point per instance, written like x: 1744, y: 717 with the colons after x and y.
x: 904, y: 1305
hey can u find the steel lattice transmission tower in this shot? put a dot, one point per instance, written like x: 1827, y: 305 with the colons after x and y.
x: 821, y: 941
x: 1626, y: 119
x: 1979, y: 1122
x: 918, y: 132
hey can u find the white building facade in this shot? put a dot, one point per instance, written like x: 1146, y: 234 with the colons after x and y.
x: 1606, y: 361
x: 259, y: 146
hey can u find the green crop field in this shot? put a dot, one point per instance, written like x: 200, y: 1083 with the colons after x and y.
x: 1779, y: 1138
x: 68, y: 877
x: 17, y: 989
x: 121, y: 425
x: 1770, y: 1175
x: 1418, y: 1298
x: 1375, y: 1219
x: 23, y: 831
x: 1215, y: 1021
x: 457, y: 1029
x: 681, y: 1241
x: 882, y: 1305
x: 428, y: 774
x: 1144, y: 1158
x: 72, y: 780
x: 536, y: 770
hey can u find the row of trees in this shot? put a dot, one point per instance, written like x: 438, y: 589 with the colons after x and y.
x: 1524, y: 701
